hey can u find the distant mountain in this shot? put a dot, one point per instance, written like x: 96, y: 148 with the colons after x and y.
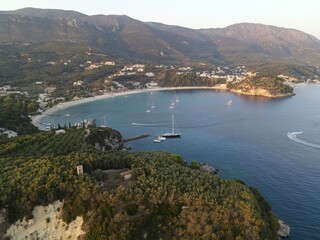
x: 45, y: 13
x: 265, y: 42
x: 121, y: 36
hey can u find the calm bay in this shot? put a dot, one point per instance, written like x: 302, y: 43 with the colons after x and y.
x: 244, y: 137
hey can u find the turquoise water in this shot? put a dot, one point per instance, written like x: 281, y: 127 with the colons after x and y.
x: 246, y: 140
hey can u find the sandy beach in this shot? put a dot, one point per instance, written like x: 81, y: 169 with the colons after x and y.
x: 36, y: 120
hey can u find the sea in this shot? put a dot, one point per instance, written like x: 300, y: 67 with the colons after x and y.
x: 270, y: 144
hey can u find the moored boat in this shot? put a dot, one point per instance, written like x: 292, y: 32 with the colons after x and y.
x: 174, y: 132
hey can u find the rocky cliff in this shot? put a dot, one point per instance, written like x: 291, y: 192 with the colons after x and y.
x: 46, y: 224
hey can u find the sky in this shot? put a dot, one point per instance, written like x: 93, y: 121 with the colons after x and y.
x: 297, y: 14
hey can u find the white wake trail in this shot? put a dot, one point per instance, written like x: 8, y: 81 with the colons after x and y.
x: 146, y: 124
x: 293, y: 136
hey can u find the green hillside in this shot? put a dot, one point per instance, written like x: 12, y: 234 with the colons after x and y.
x: 273, y: 86
x: 164, y: 199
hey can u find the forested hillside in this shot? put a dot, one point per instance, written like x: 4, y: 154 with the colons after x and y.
x: 270, y: 86
x: 14, y: 110
x: 163, y: 199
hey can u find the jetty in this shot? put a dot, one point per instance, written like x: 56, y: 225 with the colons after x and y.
x: 53, y: 115
x: 135, y: 137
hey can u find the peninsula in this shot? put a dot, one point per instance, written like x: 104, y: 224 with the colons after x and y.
x: 261, y: 86
x: 114, y: 194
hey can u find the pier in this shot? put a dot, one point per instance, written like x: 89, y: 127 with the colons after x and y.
x: 135, y: 137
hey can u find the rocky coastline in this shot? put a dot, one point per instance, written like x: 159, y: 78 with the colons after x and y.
x: 284, y: 229
x: 261, y: 92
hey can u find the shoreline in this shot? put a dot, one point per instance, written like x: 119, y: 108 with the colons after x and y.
x: 36, y: 120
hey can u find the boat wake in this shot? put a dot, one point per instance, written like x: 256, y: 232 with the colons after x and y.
x: 187, y: 124
x: 147, y: 124
x: 293, y: 136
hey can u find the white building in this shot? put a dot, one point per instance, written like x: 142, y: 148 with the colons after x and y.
x: 44, y: 96
x: 127, y: 68
x: 138, y: 65
x: 79, y: 170
x: 50, y: 89
x: 10, y: 134
x: 185, y: 69
x: 152, y: 84
x: 78, y: 83
x: 60, y: 131
x: 150, y: 74
x: 109, y: 63
x: 131, y: 73
x: 126, y: 175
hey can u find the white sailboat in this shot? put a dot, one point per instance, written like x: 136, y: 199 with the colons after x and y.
x: 148, y: 109
x: 172, y: 105
x: 152, y: 106
x: 105, y: 124
x: 174, y: 132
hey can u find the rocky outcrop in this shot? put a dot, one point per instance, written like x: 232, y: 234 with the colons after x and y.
x: 259, y: 85
x: 105, y: 139
x: 284, y: 229
x: 46, y: 224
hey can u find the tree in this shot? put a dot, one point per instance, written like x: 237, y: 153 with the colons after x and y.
x: 195, y: 164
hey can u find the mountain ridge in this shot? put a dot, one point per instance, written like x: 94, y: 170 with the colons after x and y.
x: 120, y: 35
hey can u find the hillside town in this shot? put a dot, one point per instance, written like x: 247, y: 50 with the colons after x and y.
x: 135, y: 76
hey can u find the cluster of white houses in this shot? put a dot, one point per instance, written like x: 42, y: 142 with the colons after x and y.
x: 133, y: 70
x: 45, y: 98
x: 7, y: 89
x: 89, y: 65
x: 239, y: 73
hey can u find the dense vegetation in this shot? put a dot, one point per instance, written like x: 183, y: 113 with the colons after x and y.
x: 273, y: 69
x: 108, y: 139
x: 272, y: 85
x: 61, y: 64
x: 54, y: 64
x: 170, y: 78
x: 14, y: 110
x: 164, y: 199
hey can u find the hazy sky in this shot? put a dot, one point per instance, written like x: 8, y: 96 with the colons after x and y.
x: 301, y: 15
